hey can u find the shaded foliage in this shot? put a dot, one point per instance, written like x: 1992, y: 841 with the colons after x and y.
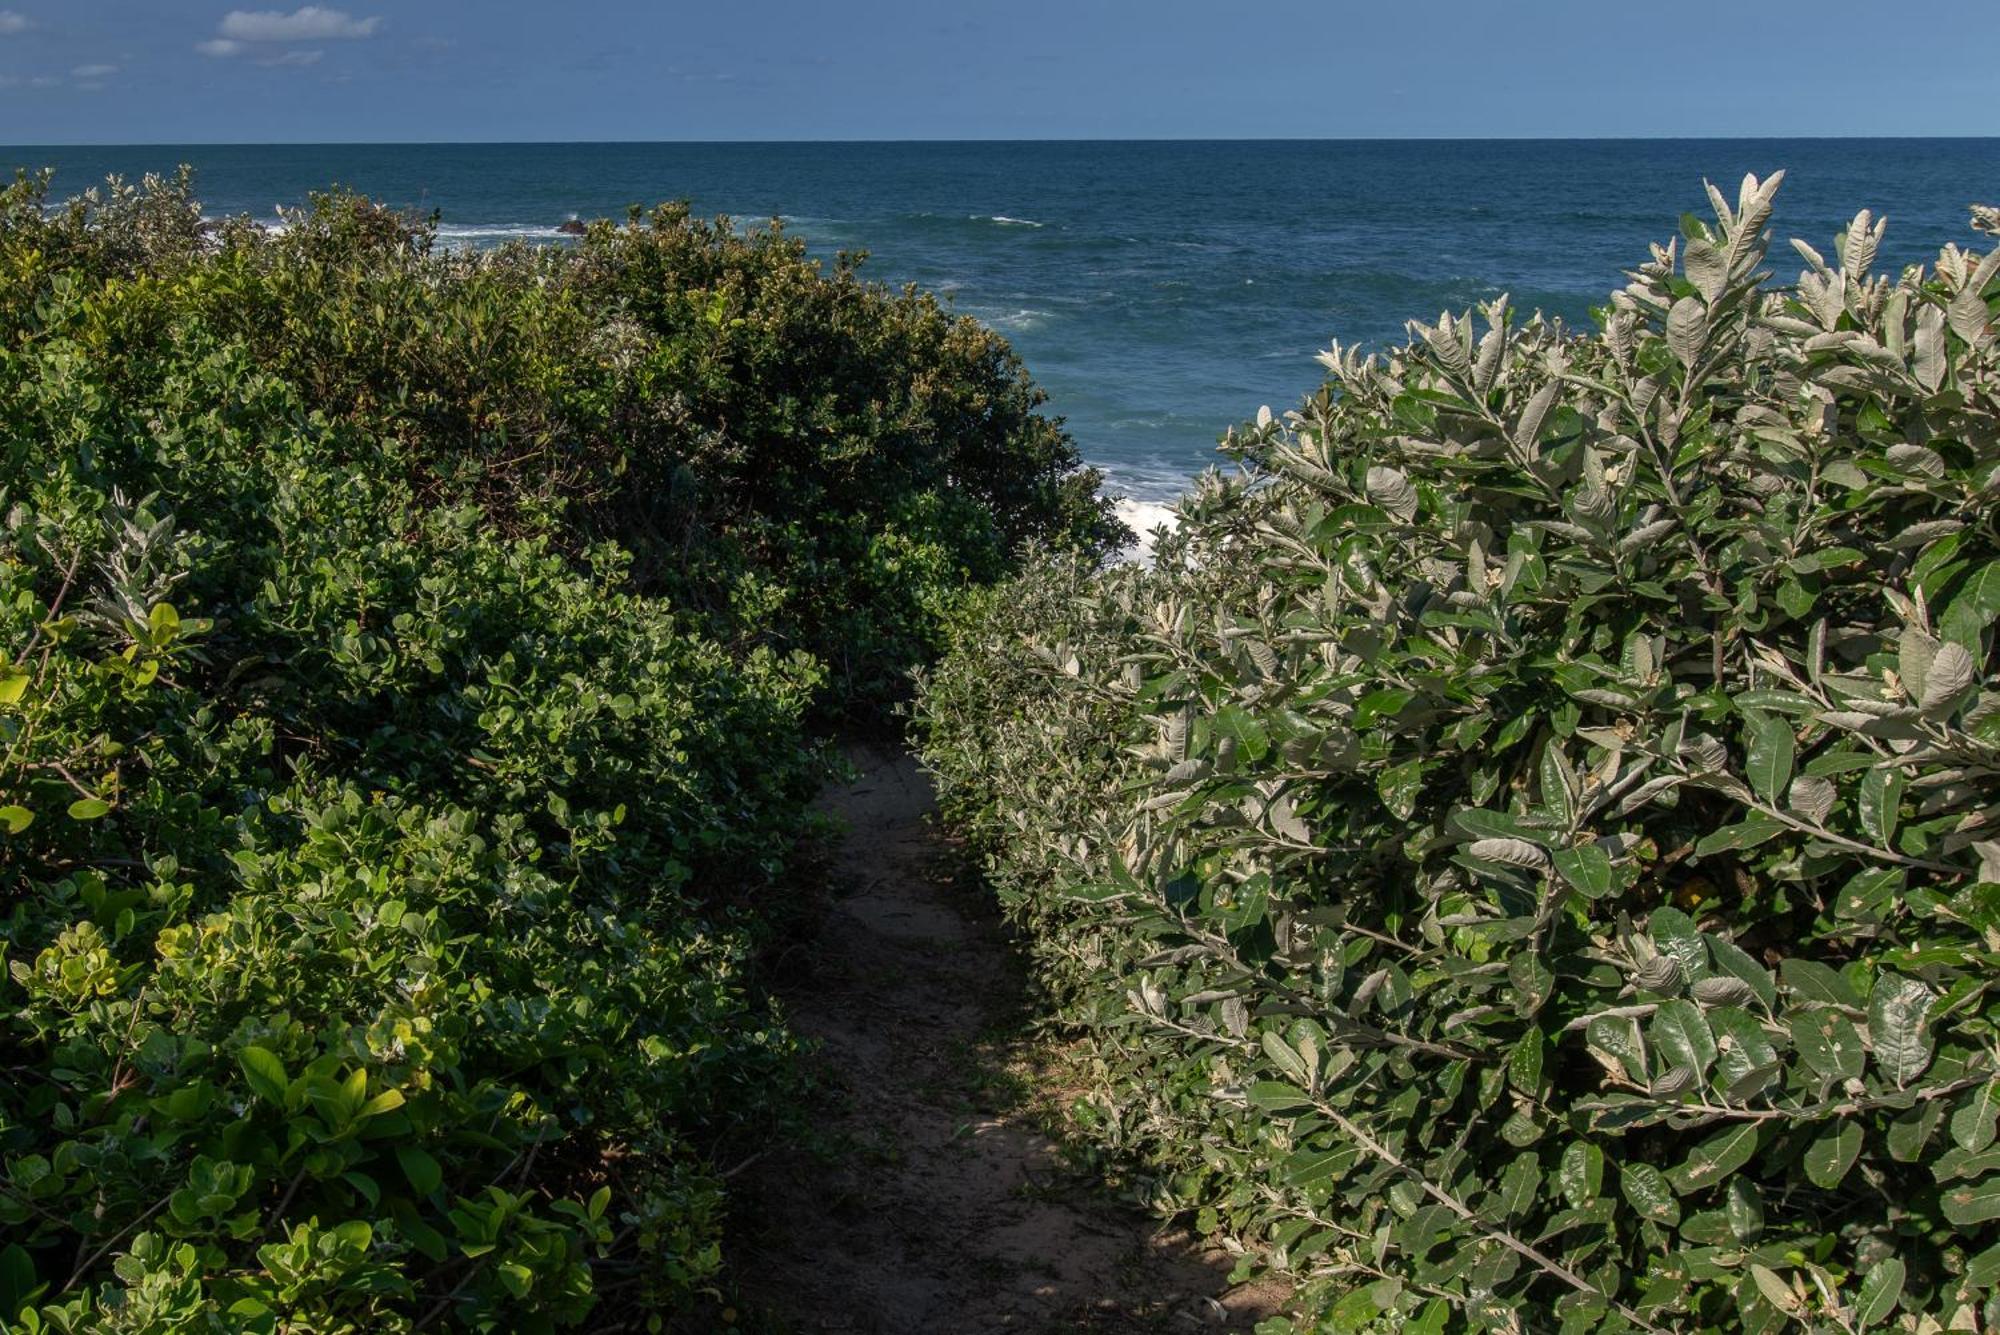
x: 406, y: 661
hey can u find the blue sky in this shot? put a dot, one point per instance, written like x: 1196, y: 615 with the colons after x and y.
x: 98, y: 71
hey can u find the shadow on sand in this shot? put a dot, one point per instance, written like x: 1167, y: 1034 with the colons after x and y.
x: 943, y: 1208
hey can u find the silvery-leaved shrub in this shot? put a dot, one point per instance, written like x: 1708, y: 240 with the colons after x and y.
x: 1528, y: 858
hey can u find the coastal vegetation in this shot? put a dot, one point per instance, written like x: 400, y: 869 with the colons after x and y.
x: 1526, y: 857
x: 1523, y: 856
x: 412, y: 672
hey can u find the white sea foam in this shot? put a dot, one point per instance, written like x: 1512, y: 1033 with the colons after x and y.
x: 1005, y: 221
x: 477, y: 234
x: 1018, y: 320
x: 1144, y: 518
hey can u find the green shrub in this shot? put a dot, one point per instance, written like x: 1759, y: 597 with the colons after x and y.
x: 808, y: 459
x: 1527, y: 857
x: 394, y: 782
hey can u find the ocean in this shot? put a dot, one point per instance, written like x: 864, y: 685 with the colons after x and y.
x: 1159, y: 291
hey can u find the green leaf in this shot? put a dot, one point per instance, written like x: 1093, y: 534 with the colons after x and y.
x: 1675, y: 934
x: 1559, y: 785
x: 13, y: 685
x: 1881, y: 797
x: 1288, y: 1061
x: 1974, y: 1122
x: 1400, y: 786
x: 1809, y: 980
x: 1736, y: 962
x: 1897, y: 1031
x: 1969, y: 1203
x: 1274, y: 1097
x: 370, y: 1189
x: 1581, y: 1173
x: 1481, y: 824
x: 1306, y: 1167
x: 1910, y: 1131
x: 1832, y: 1152
x: 1587, y: 868
x: 266, y: 1074
x: 1829, y: 1043
x: 1772, y: 750
x: 425, y: 1173
x: 1754, y: 829
x: 1982, y: 1272
x: 1524, y: 1062
x: 16, y: 819
x: 387, y: 1101
x: 1743, y: 1205
x: 1881, y: 1290
x: 1519, y: 1184
x: 1617, y: 1036
x: 1647, y: 1190
x: 1681, y: 1034
x: 1772, y: 1287
x: 1973, y: 608
x: 88, y: 808
x: 1716, y: 1157
x: 1742, y: 1049
x: 1868, y: 893
x: 18, y: 1282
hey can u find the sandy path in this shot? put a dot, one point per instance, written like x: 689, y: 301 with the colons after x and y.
x: 947, y: 1210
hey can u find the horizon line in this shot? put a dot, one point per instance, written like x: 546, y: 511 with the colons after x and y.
x: 1053, y: 139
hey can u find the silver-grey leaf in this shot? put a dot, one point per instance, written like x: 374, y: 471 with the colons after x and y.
x: 1722, y: 991
x: 1707, y: 268
x: 1927, y: 349
x: 1391, y: 490
x: 1512, y: 852
x: 1914, y: 652
x: 1812, y: 797
x: 1687, y: 330
x: 1951, y: 675
x: 1919, y: 460
x: 1661, y: 974
x: 1528, y: 431
x: 1969, y: 317
x: 1674, y: 1080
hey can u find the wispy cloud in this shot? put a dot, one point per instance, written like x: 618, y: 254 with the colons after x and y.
x: 314, y: 23
x: 12, y: 22
x: 292, y: 58
x: 220, y: 47
x: 93, y: 71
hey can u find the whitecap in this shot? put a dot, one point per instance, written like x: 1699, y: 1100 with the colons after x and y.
x: 1145, y: 519
x: 1005, y: 221
x: 1018, y: 320
x: 477, y: 234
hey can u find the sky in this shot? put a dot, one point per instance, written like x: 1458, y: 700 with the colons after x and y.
x: 178, y: 71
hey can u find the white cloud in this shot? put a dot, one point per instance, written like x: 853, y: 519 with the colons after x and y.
x: 314, y: 23
x: 220, y: 47
x: 93, y: 71
x: 293, y: 58
x: 12, y: 22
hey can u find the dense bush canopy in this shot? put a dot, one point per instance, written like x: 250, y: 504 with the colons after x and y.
x: 404, y: 666
x: 1528, y: 857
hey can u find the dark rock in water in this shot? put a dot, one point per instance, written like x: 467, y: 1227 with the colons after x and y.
x: 572, y: 227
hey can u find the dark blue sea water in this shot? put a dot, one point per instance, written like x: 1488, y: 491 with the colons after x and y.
x: 1159, y: 291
